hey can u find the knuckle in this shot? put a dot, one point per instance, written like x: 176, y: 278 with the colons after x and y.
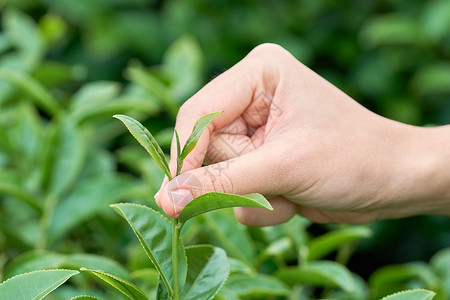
x: 216, y: 182
x: 269, y: 52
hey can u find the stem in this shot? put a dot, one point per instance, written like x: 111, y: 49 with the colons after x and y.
x: 44, y: 224
x: 345, y: 252
x: 175, y: 238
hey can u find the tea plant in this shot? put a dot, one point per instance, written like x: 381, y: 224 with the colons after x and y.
x: 58, y: 174
x: 195, y: 272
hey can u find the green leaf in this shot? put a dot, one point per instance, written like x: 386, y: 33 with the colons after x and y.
x: 417, y: 294
x: 212, y: 201
x: 84, y: 297
x: 10, y: 184
x: 435, y: 21
x: 88, y: 200
x: 96, y: 262
x: 118, y: 105
x: 226, y: 294
x: 258, y: 285
x: 125, y: 287
x: 318, y: 273
x: 155, y: 235
x: 179, y: 158
x: 197, y: 131
x: 32, y: 88
x: 183, y: 63
x: 95, y: 93
x: 326, y: 243
x: 237, y: 266
x: 208, y: 271
x: 38, y: 260
x: 161, y: 291
x: 147, y: 275
x: 278, y: 249
x: 64, y: 155
x: 432, y: 79
x: 390, y: 29
x: 33, y: 261
x: 388, y: 279
x: 25, y: 134
x: 24, y: 34
x: 34, y: 285
x: 440, y: 262
x: 155, y: 88
x: 5, y: 44
x: 145, y: 138
x: 231, y: 235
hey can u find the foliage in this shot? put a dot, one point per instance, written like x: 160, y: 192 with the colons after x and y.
x: 67, y: 66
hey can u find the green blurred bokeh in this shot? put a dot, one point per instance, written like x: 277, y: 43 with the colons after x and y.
x: 391, y: 56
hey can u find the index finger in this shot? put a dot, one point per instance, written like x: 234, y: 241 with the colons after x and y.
x: 231, y: 93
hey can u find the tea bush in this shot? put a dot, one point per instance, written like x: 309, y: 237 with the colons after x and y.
x: 67, y: 66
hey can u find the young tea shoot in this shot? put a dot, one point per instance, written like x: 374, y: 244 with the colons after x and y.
x: 188, y: 273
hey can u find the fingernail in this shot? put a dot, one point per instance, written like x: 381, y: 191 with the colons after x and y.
x: 180, y: 198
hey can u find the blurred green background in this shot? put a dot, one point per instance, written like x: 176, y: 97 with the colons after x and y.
x: 391, y: 56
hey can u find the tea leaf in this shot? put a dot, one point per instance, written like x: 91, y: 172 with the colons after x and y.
x: 386, y: 279
x: 39, y: 260
x: 232, y: 236
x: 440, y: 262
x: 147, y: 275
x: 179, y: 159
x: 257, y: 285
x: 326, y: 243
x: 183, y: 63
x: 33, y: 89
x: 161, y: 291
x: 22, y: 31
x: 64, y: 156
x: 226, y: 294
x: 125, y: 287
x: 155, y: 87
x: 197, y: 131
x: 212, y: 201
x: 34, y: 285
x: 208, y: 270
x: 417, y: 294
x: 145, y: 138
x: 90, y: 198
x: 318, y: 273
x: 155, y: 234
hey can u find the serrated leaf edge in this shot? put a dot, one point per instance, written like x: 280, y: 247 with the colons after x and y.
x: 410, y: 290
x: 75, y: 273
x: 163, y: 164
x: 158, y: 266
x: 80, y: 296
x: 121, y: 280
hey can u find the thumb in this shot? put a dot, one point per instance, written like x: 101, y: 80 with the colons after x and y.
x: 253, y: 172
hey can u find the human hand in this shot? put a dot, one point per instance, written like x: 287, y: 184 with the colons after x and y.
x: 289, y: 134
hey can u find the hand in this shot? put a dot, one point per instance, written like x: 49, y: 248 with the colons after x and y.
x: 289, y: 134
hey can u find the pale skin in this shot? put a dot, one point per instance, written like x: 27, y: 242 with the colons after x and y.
x: 287, y: 133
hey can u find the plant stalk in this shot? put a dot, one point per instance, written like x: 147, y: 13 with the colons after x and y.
x: 175, y: 238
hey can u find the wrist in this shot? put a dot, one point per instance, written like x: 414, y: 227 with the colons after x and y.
x: 427, y: 171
